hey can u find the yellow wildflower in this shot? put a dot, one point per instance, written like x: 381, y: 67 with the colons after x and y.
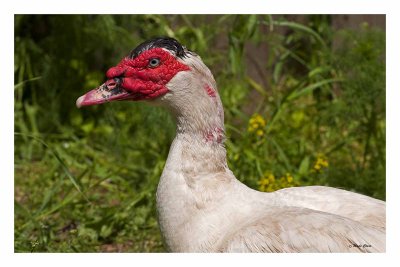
x: 289, y: 178
x: 268, y: 183
x: 260, y: 132
x: 320, y: 163
x: 263, y: 184
x: 271, y: 178
x: 256, y: 124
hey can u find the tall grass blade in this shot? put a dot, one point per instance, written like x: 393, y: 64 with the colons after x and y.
x: 63, y: 165
x: 308, y: 89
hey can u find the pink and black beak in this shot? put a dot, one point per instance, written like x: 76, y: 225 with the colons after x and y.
x: 111, y: 90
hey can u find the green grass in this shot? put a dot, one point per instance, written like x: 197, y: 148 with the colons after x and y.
x: 85, y: 180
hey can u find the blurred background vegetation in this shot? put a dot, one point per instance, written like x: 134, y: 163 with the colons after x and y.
x: 304, y: 100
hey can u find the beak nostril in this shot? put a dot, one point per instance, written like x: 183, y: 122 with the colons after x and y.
x: 111, y: 84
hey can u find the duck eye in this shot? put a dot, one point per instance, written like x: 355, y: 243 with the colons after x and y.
x: 154, y: 62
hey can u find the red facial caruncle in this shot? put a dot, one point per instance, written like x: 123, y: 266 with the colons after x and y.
x: 141, y: 78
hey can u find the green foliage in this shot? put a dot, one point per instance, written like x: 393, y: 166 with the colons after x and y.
x: 85, y: 180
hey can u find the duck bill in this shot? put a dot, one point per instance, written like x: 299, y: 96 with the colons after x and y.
x: 107, y: 92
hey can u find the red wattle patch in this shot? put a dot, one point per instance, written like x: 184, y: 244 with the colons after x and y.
x: 210, y: 91
x: 146, y: 81
x: 214, y: 135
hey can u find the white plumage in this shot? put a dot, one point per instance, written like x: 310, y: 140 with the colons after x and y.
x: 202, y: 207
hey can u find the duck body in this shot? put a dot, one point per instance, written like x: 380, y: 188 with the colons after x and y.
x: 217, y: 213
x: 201, y: 205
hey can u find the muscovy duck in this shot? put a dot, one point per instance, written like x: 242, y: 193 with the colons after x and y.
x: 201, y: 206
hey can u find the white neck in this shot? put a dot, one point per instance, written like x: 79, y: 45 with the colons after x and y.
x: 186, y: 186
x: 197, y: 156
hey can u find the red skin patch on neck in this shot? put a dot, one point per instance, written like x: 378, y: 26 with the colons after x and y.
x: 214, y: 135
x: 140, y: 78
x: 210, y: 91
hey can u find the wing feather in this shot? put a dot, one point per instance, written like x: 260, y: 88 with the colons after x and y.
x: 304, y: 230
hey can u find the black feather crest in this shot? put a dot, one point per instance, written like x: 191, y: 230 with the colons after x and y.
x: 168, y: 43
